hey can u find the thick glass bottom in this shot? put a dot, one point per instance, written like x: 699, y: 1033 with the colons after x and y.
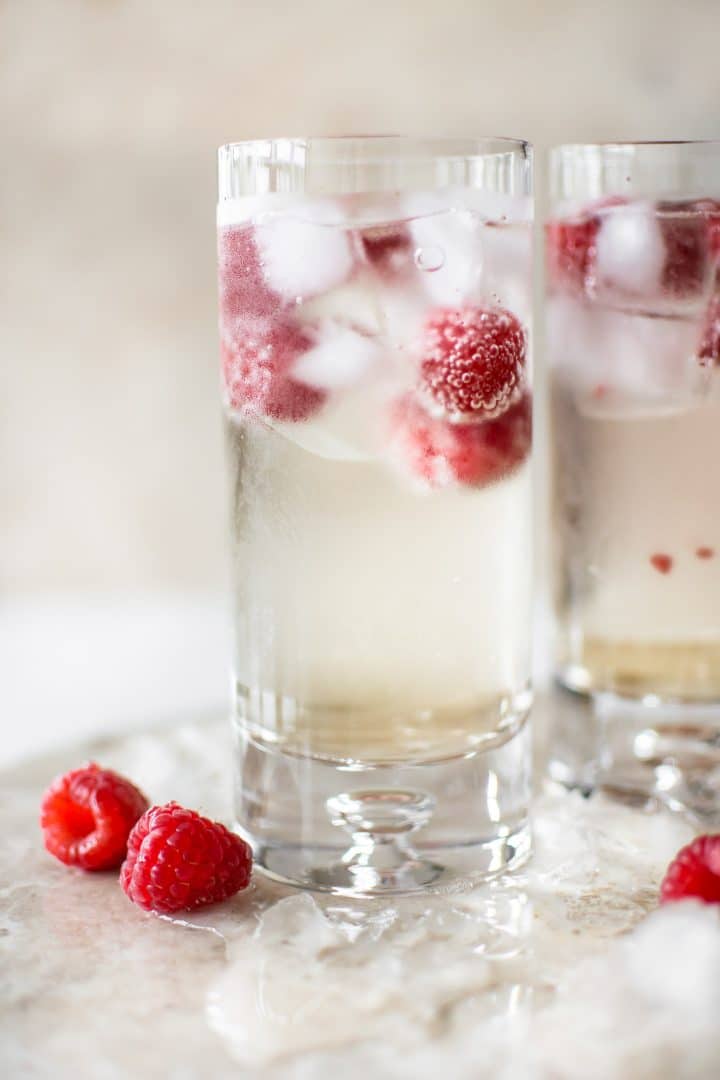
x: 679, y: 671
x: 367, y: 829
x: 640, y: 750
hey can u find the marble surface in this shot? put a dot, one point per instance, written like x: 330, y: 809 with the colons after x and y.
x: 564, y: 969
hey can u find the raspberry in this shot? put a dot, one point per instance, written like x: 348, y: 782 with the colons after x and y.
x: 472, y: 361
x: 661, y: 562
x: 256, y: 371
x: 685, y: 234
x: 441, y: 453
x: 387, y: 247
x: 179, y: 861
x: 570, y: 251
x: 243, y: 291
x: 86, y: 817
x: 694, y: 872
x: 570, y: 245
x: 710, y: 341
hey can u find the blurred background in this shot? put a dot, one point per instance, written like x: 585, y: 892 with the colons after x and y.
x: 112, y: 547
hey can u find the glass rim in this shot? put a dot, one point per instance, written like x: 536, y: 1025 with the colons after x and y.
x: 624, y: 144
x: 508, y: 143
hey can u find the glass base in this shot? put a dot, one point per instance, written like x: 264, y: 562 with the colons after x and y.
x: 641, y: 751
x: 384, y: 829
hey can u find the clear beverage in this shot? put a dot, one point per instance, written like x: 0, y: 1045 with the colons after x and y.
x: 636, y: 416
x: 376, y: 367
x: 633, y: 329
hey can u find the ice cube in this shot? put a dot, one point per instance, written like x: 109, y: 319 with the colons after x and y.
x: 630, y: 251
x: 447, y: 249
x: 305, y: 252
x: 341, y: 358
x: 355, y: 304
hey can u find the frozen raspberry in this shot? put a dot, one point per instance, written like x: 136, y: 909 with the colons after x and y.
x: 661, y: 562
x: 570, y: 251
x: 86, y: 817
x: 685, y: 235
x: 244, y: 293
x: 440, y: 453
x: 710, y: 341
x: 387, y: 247
x: 256, y: 372
x: 178, y: 861
x: 472, y: 361
x: 570, y: 245
x: 710, y: 208
x: 694, y: 873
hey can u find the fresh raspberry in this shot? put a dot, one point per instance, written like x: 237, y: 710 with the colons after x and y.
x: 86, y: 817
x: 387, y: 247
x: 472, y: 361
x: 179, y: 861
x: 244, y: 293
x: 685, y: 235
x: 694, y: 873
x: 256, y: 372
x: 710, y: 341
x: 441, y: 453
x: 661, y: 562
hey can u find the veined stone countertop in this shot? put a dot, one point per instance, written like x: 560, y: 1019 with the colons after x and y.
x: 564, y: 969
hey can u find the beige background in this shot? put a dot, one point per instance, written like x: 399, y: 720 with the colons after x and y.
x: 111, y: 110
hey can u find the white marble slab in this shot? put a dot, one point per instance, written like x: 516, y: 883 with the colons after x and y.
x: 563, y: 970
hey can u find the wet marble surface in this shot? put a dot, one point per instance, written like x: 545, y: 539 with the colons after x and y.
x: 564, y: 969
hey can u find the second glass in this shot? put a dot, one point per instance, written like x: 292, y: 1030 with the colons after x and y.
x: 375, y: 308
x: 633, y: 310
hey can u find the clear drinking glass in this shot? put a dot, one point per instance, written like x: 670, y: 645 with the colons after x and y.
x: 375, y: 344
x: 633, y: 327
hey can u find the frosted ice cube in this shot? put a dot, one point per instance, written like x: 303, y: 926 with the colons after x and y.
x: 630, y: 251
x: 351, y: 427
x: 341, y: 358
x: 355, y: 303
x: 306, y: 254
x: 453, y: 236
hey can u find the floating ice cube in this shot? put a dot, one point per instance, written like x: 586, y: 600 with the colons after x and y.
x: 341, y: 358
x: 451, y: 275
x: 630, y: 252
x: 356, y: 304
x: 307, y: 254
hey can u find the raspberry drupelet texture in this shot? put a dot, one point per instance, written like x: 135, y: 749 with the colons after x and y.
x: 694, y: 873
x: 472, y: 361
x: 179, y: 861
x: 86, y: 817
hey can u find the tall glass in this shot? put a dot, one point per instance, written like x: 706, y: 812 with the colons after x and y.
x: 633, y: 323
x: 375, y: 346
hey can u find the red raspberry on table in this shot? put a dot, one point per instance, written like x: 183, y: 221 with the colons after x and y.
x: 472, y: 361
x: 243, y: 290
x: 179, y: 861
x: 256, y: 372
x: 86, y: 817
x: 694, y: 872
x: 440, y: 453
